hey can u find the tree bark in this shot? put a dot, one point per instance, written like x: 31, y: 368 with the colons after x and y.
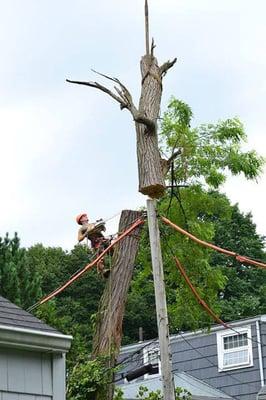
x: 108, y: 331
x: 151, y: 178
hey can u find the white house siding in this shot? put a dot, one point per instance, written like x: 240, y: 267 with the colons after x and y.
x: 25, y: 375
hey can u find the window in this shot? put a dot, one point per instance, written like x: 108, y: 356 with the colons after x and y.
x: 234, y: 349
x: 151, y: 355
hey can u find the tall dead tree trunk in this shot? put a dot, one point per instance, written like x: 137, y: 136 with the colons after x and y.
x: 108, y: 332
x: 152, y: 168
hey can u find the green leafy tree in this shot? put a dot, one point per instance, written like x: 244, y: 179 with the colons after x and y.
x: 244, y: 293
x: 72, y: 311
x: 87, y: 378
x: 209, y: 151
x: 207, y: 154
x: 18, y: 282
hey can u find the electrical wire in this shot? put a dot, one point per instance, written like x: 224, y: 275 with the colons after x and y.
x: 242, y: 259
x: 202, y: 303
x: 137, y: 351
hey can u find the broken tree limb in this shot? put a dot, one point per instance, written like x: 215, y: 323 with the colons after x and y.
x: 167, y: 65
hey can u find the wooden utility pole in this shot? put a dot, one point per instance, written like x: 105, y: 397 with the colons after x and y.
x: 160, y: 301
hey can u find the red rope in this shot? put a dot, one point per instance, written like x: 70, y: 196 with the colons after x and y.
x: 239, y: 258
x: 90, y: 265
x: 197, y: 296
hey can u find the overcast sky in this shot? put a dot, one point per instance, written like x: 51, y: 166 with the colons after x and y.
x: 67, y: 148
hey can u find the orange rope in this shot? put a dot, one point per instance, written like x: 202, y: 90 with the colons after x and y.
x: 239, y: 258
x: 90, y: 265
x: 197, y: 296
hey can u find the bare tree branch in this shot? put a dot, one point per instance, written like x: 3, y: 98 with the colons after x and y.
x: 96, y: 85
x: 123, y: 97
x: 167, y: 65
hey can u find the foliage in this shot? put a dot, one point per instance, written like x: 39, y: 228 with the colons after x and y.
x: 244, y: 293
x: 207, y: 154
x: 145, y: 394
x: 18, y: 281
x: 140, y: 307
x: 87, y: 378
x: 184, y: 311
x: 72, y: 312
x: 207, y: 151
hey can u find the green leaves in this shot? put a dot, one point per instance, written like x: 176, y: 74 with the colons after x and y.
x: 145, y: 394
x: 209, y: 151
x: 18, y: 282
x: 87, y: 377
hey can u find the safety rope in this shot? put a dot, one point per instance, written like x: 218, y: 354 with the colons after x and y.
x: 79, y: 273
x: 242, y: 259
x: 112, y: 217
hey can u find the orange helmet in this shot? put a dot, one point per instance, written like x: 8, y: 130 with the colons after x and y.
x: 78, y: 218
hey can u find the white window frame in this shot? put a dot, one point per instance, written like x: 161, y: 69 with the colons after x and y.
x: 221, y: 351
x: 146, y: 351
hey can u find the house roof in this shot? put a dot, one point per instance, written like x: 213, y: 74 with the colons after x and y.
x: 12, y: 315
x: 20, y: 329
x: 199, y: 389
x: 202, y: 332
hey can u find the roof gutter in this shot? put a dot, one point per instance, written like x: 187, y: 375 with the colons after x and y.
x: 31, y: 339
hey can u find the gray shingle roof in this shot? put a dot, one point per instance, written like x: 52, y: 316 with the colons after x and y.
x: 200, y: 390
x: 12, y: 315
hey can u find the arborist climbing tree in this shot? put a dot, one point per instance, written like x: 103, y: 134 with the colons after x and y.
x: 94, y: 232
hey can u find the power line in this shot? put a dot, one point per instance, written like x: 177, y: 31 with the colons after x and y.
x: 225, y: 324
